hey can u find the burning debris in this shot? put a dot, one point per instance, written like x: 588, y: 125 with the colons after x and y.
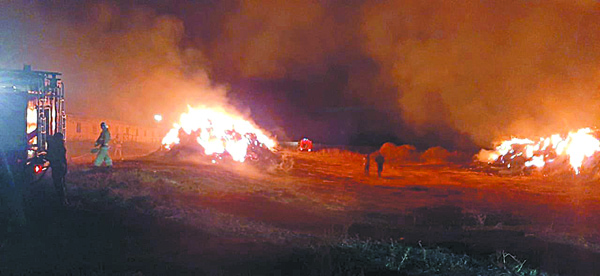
x: 220, y: 135
x: 574, y: 152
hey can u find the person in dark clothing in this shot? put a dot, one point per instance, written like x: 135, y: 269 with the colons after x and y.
x: 367, y: 163
x: 379, y: 160
x: 57, y: 156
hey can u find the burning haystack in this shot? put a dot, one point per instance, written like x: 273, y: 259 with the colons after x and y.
x: 577, y: 152
x: 219, y: 135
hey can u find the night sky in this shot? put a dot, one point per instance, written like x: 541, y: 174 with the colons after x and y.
x: 458, y: 74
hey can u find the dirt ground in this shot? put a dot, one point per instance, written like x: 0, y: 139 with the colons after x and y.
x: 157, y: 216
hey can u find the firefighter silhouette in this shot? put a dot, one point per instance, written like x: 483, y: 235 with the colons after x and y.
x: 379, y: 160
x: 57, y: 156
x: 102, y: 141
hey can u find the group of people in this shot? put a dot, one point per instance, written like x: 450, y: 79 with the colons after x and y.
x: 56, y: 154
x: 379, y: 159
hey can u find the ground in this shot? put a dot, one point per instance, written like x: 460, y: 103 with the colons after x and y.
x: 156, y: 215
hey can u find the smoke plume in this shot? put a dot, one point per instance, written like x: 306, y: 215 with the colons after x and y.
x: 450, y: 73
x: 490, y: 69
x: 117, y: 63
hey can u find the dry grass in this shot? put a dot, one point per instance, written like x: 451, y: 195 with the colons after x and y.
x: 352, y: 256
x: 332, y: 183
x: 326, y: 193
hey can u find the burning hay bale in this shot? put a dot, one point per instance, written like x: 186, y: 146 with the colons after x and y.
x: 399, y: 154
x: 185, y: 148
x: 255, y: 152
x: 220, y: 137
x: 574, y: 153
x: 560, y: 166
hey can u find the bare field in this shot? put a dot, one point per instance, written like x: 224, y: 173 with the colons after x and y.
x: 194, y: 217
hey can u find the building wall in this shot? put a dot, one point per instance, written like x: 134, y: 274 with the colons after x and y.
x: 80, y: 128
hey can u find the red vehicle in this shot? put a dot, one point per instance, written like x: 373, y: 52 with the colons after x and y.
x: 305, y: 145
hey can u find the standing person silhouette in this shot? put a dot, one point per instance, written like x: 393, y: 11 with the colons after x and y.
x: 118, y: 152
x: 379, y: 160
x: 367, y: 163
x: 57, y: 156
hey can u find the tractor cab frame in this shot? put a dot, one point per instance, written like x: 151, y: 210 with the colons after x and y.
x: 45, y: 113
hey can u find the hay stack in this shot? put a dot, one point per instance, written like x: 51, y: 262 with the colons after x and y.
x: 439, y: 155
x: 399, y: 154
x: 436, y: 155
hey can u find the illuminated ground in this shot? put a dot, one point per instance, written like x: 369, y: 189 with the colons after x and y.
x: 159, y: 215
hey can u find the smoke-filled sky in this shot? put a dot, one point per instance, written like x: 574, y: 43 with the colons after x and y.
x: 459, y: 74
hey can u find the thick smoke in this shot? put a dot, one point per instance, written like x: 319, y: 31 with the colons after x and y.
x: 117, y: 63
x: 450, y: 73
x: 490, y: 69
x: 481, y: 68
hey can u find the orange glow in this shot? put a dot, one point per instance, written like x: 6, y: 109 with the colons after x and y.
x: 217, y: 131
x: 31, y: 117
x: 31, y: 126
x: 576, y: 146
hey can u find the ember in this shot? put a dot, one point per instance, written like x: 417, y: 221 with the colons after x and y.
x: 218, y: 132
x: 574, y: 148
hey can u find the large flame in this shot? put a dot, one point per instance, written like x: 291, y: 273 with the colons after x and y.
x: 576, y: 146
x: 31, y: 117
x: 218, y: 131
